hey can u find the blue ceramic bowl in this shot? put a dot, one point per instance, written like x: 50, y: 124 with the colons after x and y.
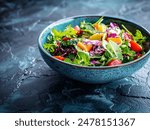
x: 98, y: 74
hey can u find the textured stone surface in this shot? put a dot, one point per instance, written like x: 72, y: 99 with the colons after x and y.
x: 27, y: 84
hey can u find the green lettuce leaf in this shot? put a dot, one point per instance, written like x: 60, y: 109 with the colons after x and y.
x: 113, y: 49
x: 57, y: 35
x: 82, y: 58
x: 69, y: 32
x: 139, y: 37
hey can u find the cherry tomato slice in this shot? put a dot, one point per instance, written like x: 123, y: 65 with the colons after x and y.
x: 66, y: 38
x: 114, y: 62
x: 135, y: 46
x: 59, y: 57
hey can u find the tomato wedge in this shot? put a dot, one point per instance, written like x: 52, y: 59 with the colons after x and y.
x: 60, y: 57
x: 135, y: 46
x: 114, y: 62
x: 66, y: 38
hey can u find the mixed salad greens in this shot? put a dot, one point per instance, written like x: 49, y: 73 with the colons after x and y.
x: 95, y: 44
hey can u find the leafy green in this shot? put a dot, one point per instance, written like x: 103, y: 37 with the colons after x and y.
x: 129, y: 54
x: 68, y: 32
x: 103, y: 59
x: 68, y: 60
x: 87, y: 27
x: 57, y: 35
x: 104, y: 44
x: 50, y: 47
x: 139, y: 37
x: 113, y: 49
x: 71, y: 56
x: 50, y: 39
x: 126, y: 50
x: 69, y: 42
x: 86, y: 34
x: 82, y: 58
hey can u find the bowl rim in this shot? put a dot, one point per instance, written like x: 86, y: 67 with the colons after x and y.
x: 90, y: 67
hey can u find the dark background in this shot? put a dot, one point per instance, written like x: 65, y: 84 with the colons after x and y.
x: 27, y: 84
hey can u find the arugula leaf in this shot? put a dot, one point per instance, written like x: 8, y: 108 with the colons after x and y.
x: 70, y: 31
x: 57, y: 35
x: 50, y: 39
x: 49, y: 47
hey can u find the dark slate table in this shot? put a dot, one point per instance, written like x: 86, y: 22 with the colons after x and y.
x: 27, y: 84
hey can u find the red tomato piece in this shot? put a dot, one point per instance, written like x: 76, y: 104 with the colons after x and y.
x: 114, y: 62
x: 66, y: 38
x: 60, y: 57
x: 135, y: 46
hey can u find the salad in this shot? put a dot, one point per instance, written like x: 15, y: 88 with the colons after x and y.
x: 95, y: 44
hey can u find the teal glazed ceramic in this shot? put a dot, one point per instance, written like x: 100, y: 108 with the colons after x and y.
x: 98, y: 74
